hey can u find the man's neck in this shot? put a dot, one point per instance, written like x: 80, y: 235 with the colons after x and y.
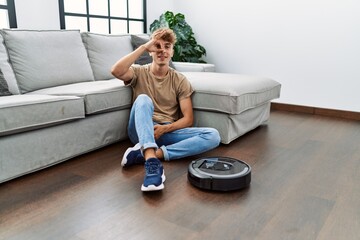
x: 159, y: 70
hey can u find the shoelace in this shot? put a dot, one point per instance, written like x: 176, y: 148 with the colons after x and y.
x: 152, y: 168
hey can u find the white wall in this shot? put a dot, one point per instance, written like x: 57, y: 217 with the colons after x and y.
x: 310, y: 46
x: 156, y: 7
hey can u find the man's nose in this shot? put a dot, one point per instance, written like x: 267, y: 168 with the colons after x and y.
x: 160, y: 51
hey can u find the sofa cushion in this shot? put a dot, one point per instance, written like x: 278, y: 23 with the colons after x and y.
x: 136, y: 42
x: 104, y: 51
x: 232, y: 126
x: 4, y: 89
x: 42, y: 59
x: 194, y: 67
x: 230, y: 93
x: 6, y: 68
x: 99, y: 96
x: 19, y: 113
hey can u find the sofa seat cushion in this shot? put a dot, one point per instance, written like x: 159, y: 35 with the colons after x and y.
x: 50, y: 58
x: 19, y: 113
x: 230, y: 93
x: 99, y: 96
x: 232, y: 126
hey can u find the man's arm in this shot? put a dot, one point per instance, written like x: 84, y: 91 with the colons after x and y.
x: 186, y: 121
x: 121, y: 68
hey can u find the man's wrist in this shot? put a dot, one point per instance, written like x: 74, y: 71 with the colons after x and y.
x: 143, y: 47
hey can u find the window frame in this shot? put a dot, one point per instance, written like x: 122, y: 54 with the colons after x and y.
x: 88, y: 16
x: 10, y: 7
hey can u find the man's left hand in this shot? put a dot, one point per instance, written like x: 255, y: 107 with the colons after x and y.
x: 160, y: 130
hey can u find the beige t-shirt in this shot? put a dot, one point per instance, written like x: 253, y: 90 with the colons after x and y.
x: 165, y: 92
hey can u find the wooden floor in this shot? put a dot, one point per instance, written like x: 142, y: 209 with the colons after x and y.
x: 305, y: 185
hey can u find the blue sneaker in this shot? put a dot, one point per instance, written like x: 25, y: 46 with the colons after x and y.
x: 133, y: 156
x: 154, y: 175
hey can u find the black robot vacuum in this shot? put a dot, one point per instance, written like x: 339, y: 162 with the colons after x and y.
x: 219, y: 174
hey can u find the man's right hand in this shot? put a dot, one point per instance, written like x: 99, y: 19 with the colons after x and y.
x: 153, y: 45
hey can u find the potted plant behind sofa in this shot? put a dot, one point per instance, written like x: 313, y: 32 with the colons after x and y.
x: 186, y: 48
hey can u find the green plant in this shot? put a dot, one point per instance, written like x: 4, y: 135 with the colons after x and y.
x: 186, y: 48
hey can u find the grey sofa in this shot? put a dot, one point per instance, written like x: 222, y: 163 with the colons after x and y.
x: 65, y: 102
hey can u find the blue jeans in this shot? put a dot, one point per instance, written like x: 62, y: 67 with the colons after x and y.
x: 177, y: 144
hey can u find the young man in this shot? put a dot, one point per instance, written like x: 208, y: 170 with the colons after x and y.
x: 161, y: 117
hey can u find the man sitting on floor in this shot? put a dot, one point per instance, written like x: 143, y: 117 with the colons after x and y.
x: 161, y: 117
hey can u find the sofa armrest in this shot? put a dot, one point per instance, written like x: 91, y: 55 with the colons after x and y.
x: 194, y: 67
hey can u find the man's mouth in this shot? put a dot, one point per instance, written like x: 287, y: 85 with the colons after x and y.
x: 162, y: 57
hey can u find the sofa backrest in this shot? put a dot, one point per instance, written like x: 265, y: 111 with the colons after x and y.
x: 42, y: 59
x: 104, y: 50
x: 6, y: 69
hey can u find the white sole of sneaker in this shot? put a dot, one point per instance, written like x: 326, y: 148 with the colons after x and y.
x: 134, y: 148
x: 153, y: 187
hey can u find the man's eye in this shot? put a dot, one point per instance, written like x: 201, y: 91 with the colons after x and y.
x: 158, y: 46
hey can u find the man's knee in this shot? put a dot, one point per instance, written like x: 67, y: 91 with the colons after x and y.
x: 143, y: 100
x: 215, y: 136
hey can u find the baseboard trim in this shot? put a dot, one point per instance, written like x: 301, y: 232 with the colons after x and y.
x: 316, y: 111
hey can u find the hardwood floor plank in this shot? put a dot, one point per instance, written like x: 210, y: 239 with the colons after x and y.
x: 344, y: 220
x: 305, y: 185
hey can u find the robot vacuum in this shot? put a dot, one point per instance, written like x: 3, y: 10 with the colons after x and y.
x: 219, y: 174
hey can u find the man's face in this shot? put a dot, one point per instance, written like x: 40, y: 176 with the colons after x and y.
x: 163, y: 53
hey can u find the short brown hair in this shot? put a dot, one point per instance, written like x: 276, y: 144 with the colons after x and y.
x: 168, y: 36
